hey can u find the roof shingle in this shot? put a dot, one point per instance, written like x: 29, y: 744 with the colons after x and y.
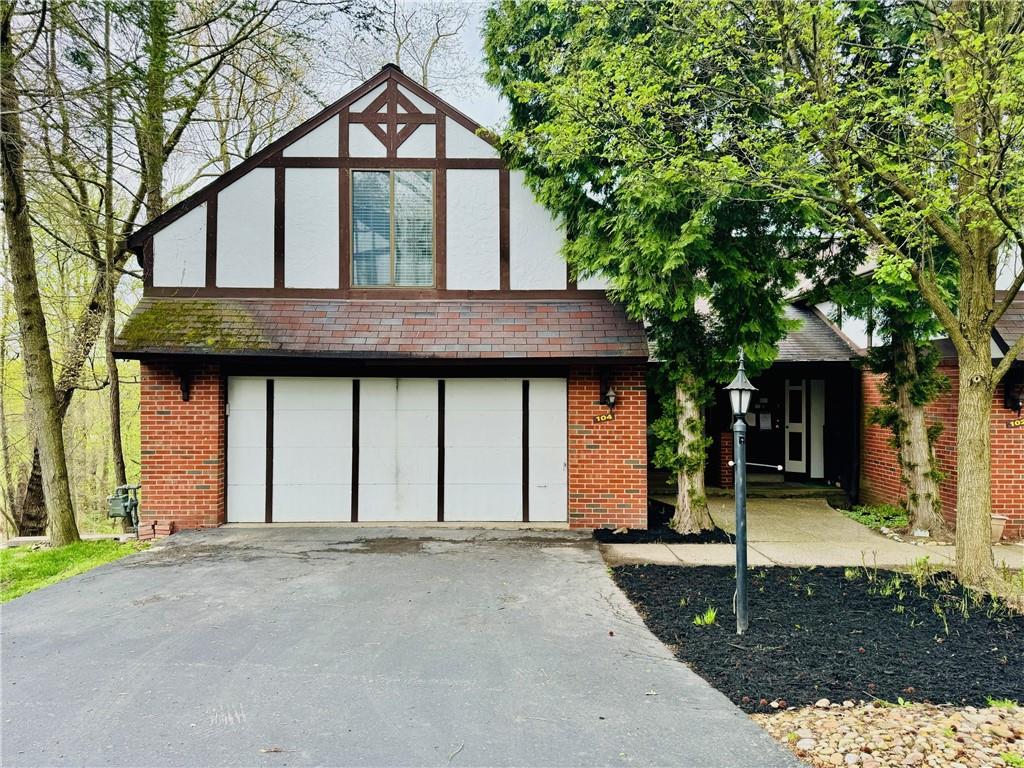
x: 427, y: 329
x: 813, y: 341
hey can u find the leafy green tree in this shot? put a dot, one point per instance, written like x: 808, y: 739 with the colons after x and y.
x: 706, y: 267
x: 909, y: 142
x: 906, y: 357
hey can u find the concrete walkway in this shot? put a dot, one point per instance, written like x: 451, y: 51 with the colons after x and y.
x: 798, y: 532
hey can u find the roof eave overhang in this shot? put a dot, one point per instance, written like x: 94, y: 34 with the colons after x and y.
x: 389, y: 359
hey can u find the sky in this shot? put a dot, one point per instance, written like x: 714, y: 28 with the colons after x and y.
x: 484, y: 106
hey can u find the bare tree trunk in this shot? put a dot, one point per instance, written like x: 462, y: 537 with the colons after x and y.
x: 13, y: 529
x: 31, y: 320
x: 974, y: 562
x: 112, y: 275
x: 916, y: 455
x: 692, y: 514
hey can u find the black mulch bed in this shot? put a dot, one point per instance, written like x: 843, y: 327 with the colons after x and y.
x: 661, y: 535
x: 658, y: 532
x: 834, y: 633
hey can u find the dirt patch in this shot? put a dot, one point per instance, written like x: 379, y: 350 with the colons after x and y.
x: 835, y: 633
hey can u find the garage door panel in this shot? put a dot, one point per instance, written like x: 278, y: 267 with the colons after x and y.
x: 246, y: 393
x: 490, y: 503
x: 247, y: 450
x: 398, y: 428
x: 312, y: 394
x: 312, y: 449
x: 390, y: 502
x: 483, y: 449
x: 548, y: 455
x: 247, y: 503
x: 247, y: 466
x: 547, y: 465
x: 548, y: 502
x: 483, y: 395
x: 485, y: 429
x: 479, y: 465
x: 308, y: 503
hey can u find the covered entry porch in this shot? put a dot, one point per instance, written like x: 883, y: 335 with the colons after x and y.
x: 804, y: 418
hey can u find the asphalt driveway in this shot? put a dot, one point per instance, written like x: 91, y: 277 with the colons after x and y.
x: 355, y: 646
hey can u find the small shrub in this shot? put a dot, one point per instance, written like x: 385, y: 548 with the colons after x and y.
x: 1001, y: 703
x: 879, y: 516
x: 706, y: 619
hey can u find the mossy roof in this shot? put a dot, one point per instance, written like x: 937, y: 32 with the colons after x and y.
x: 570, y: 329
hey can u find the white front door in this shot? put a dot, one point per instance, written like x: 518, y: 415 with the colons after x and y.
x: 796, y: 419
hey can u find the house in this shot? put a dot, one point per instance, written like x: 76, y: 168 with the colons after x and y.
x: 369, y: 320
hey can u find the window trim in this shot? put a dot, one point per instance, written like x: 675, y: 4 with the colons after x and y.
x: 391, y: 222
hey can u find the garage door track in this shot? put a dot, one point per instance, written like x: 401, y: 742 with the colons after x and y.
x: 355, y: 646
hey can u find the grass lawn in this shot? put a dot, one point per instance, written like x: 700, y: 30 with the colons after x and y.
x: 23, y: 569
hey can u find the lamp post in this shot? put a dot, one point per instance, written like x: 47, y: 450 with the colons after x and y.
x: 740, y: 391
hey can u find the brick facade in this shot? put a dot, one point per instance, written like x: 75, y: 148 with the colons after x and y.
x: 880, y: 475
x: 608, y: 460
x: 183, y: 450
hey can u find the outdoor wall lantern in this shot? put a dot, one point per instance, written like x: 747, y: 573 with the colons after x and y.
x: 740, y: 392
x: 608, y: 396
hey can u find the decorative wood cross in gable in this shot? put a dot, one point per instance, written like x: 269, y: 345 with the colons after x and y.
x: 392, y: 117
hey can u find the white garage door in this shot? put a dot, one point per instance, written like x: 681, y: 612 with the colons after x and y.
x: 416, y: 449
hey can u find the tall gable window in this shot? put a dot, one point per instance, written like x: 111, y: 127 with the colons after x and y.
x: 393, y: 228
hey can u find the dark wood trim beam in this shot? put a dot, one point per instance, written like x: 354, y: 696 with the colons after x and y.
x: 411, y: 118
x: 440, y: 450
x: 398, y: 294
x: 279, y: 228
x: 211, y: 242
x: 440, y: 209
x: 268, y: 514
x: 147, y: 266
x: 391, y: 89
x: 526, y: 450
x: 355, y: 451
x: 390, y: 163
x: 504, y: 240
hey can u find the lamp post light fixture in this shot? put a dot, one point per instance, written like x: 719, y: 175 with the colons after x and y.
x: 740, y: 392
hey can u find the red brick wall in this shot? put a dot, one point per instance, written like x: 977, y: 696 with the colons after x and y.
x: 608, y: 460
x: 880, y: 476
x: 1008, y: 468
x: 726, y: 479
x: 183, y: 451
